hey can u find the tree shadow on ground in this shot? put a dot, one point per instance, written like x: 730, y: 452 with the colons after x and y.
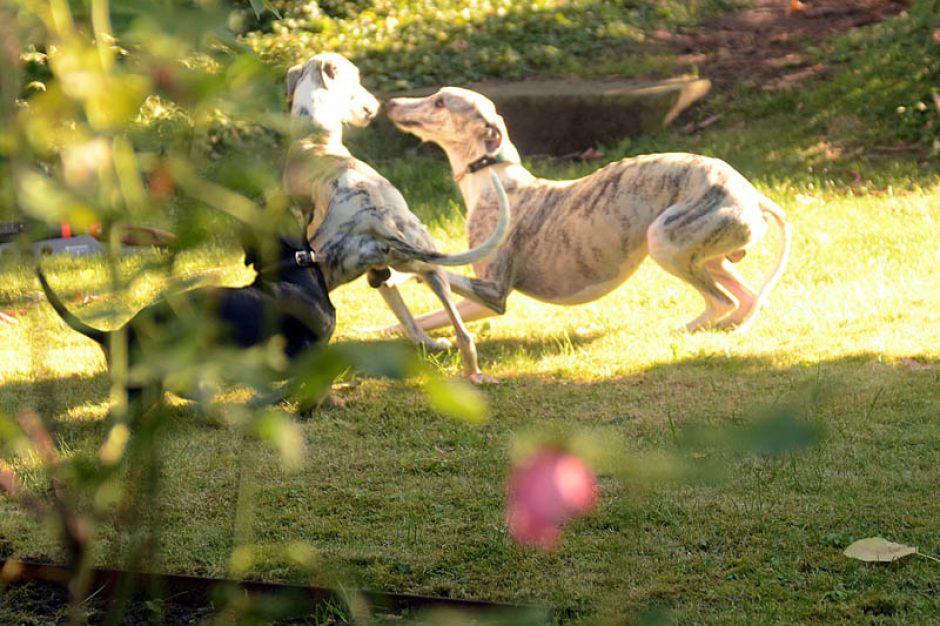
x: 873, y: 470
x: 708, y: 377
x: 717, y: 387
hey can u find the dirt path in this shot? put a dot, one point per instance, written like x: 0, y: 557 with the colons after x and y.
x: 766, y: 44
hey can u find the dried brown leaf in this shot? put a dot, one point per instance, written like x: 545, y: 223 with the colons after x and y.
x: 877, y: 549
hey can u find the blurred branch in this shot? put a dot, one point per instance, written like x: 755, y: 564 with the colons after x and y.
x: 12, y: 486
x: 75, y: 528
x: 101, y: 22
x: 215, y: 195
x: 61, y: 17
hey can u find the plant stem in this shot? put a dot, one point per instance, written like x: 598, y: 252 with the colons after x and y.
x: 101, y: 22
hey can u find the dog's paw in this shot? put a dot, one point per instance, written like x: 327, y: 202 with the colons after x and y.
x: 436, y: 345
x: 332, y: 401
x: 479, y: 378
x: 329, y: 401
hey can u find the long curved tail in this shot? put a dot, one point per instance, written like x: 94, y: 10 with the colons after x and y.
x: 70, y: 318
x: 494, y: 241
x: 768, y: 207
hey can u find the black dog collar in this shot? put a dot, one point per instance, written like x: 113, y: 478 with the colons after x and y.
x: 302, y: 258
x: 305, y: 258
x: 484, y: 162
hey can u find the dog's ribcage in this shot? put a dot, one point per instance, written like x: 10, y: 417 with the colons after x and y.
x: 354, y: 213
x: 582, y: 238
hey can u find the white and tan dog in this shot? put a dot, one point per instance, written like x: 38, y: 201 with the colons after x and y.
x: 573, y: 241
x: 357, y: 221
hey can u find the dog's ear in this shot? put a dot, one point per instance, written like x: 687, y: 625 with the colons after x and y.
x: 490, y: 134
x: 492, y: 138
x: 293, y: 77
x: 327, y: 69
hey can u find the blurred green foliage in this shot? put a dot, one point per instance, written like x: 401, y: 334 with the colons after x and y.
x: 168, y: 113
x: 120, y: 112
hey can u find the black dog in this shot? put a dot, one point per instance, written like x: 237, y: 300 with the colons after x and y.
x: 288, y: 298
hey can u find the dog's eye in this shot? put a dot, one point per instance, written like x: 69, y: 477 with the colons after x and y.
x: 439, y: 103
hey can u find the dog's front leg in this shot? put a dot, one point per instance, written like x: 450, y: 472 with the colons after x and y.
x: 407, y: 321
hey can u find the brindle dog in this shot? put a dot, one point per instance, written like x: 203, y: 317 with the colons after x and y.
x: 573, y: 241
x: 358, y: 222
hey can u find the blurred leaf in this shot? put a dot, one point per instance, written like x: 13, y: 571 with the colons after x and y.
x: 302, y: 554
x: 113, y: 449
x: 392, y: 360
x: 279, y: 430
x: 779, y: 432
x: 260, y: 6
x: 240, y: 561
x: 775, y: 432
x: 456, y: 399
x: 876, y: 549
x: 41, y: 197
x: 10, y: 431
x: 116, y: 101
x: 313, y: 375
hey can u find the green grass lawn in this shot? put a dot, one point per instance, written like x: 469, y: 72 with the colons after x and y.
x: 401, y: 44
x: 394, y: 496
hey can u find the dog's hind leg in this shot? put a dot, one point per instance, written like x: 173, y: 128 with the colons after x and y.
x: 727, y: 277
x: 484, y: 299
x: 692, y: 239
x: 468, y: 309
x: 685, y: 264
x: 407, y: 321
x: 719, y: 303
x: 437, y: 281
x: 491, y: 295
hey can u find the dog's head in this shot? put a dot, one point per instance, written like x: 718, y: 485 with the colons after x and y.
x: 463, y: 122
x: 290, y: 273
x: 326, y: 89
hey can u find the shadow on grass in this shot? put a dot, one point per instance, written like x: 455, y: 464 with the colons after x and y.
x: 72, y: 405
x: 536, y: 348
x: 651, y: 403
x: 864, y: 371
x: 62, y: 392
x: 879, y: 420
x: 489, y: 349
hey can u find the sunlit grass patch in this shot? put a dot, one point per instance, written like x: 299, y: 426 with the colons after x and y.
x: 392, y: 495
x: 88, y: 412
x: 400, y: 45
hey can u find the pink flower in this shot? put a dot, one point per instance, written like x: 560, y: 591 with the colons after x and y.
x: 545, y: 492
